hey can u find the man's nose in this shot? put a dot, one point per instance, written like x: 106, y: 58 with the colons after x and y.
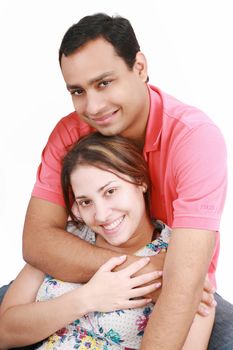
x: 94, y: 103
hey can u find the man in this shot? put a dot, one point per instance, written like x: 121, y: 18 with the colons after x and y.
x: 106, y: 75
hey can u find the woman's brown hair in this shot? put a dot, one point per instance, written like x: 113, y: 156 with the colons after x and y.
x: 111, y: 153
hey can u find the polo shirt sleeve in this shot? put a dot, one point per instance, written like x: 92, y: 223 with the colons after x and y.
x: 48, y: 184
x: 200, y: 173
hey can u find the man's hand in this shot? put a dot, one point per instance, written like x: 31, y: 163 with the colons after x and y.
x: 207, y: 301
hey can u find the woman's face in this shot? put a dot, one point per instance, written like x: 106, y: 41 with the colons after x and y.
x: 109, y: 205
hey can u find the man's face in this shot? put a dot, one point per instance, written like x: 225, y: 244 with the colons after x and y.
x: 107, y: 94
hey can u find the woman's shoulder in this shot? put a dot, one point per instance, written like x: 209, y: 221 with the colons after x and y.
x: 159, y: 242
x: 81, y: 231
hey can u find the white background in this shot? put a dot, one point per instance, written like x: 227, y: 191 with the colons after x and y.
x: 188, y: 44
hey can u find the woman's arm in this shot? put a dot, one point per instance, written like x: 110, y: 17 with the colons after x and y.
x: 24, y: 321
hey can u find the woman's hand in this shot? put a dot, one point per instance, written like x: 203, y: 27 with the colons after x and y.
x: 111, y: 290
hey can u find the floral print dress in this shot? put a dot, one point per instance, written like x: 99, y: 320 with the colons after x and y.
x: 115, y: 330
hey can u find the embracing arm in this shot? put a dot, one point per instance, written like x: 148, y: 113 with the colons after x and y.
x: 48, y: 247
x: 187, y: 261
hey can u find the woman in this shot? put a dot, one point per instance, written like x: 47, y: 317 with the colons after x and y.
x: 107, y: 178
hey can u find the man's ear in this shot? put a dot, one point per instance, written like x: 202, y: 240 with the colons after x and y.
x: 140, y: 66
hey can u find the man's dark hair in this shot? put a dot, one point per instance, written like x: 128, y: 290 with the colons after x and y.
x: 116, y: 30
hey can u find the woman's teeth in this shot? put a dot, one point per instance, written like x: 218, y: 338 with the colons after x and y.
x: 114, y: 224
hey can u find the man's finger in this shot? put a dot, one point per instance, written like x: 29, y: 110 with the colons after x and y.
x: 208, y: 299
x: 208, y: 287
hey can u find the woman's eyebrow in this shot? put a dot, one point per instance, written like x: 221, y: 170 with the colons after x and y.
x: 99, y: 190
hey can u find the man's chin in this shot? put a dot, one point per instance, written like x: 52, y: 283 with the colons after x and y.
x: 108, y: 132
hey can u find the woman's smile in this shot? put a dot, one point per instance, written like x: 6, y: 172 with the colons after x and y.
x: 113, y: 225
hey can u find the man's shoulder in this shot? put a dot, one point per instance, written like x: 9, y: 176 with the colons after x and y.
x: 70, y: 121
x: 172, y: 119
x: 69, y: 129
x: 178, y: 111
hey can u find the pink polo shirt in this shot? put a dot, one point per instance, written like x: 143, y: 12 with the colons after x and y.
x: 186, y: 155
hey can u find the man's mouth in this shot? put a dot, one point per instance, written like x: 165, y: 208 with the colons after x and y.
x: 105, y: 119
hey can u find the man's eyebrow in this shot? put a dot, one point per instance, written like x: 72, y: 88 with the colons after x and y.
x: 99, y: 190
x: 99, y: 77
x: 91, y: 81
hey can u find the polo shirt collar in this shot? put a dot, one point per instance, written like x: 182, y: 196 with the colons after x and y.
x: 154, y: 124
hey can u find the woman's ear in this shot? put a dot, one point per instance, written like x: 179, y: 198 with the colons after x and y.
x: 140, y: 66
x: 143, y: 188
x: 76, y: 212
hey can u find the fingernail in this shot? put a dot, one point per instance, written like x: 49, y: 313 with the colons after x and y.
x: 214, y: 303
x: 158, y: 285
x: 122, y: 256
x: 148, y: 300
x: 206, y: 312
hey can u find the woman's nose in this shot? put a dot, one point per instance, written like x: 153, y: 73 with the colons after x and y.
x: 102, y: 212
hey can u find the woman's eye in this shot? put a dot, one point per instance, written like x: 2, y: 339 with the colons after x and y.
x: 110, y: 191
x: 104, y: 83
x: 84, y: 203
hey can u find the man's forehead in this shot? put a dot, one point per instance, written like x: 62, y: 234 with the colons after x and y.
x: 87, y: 66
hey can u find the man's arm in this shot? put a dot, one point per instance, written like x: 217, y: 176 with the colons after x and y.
x: 51, y: 249
x: 187, y: 261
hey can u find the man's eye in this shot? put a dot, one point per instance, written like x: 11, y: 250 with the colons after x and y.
x: 76, y: 92
x: 104, y: 83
